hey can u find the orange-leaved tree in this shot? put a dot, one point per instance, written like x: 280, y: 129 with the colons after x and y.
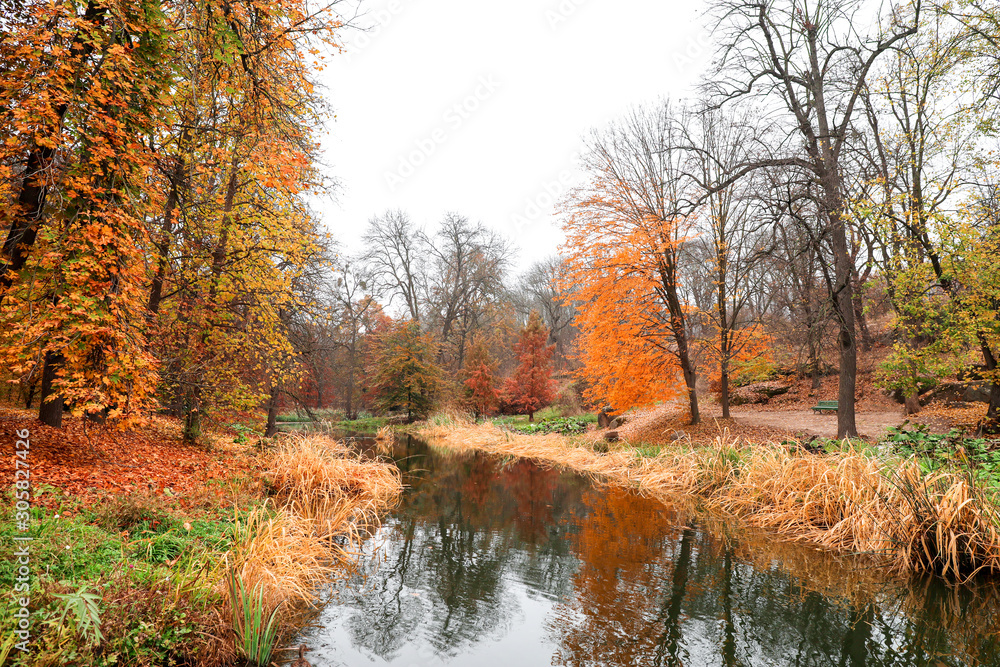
x: 81, y: 90
x: 622, y: 250
x: 531, y: 387
x: 481, y: 387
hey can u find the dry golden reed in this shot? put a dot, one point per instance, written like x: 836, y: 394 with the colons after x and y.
x: 326, y: 499
x: 847, y: 501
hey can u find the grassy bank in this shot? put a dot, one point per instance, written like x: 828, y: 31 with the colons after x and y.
x: 854, y: 500
x: 151, y: 578
x: 332, y: 419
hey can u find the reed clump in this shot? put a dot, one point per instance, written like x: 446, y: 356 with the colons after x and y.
x: 325, y: 481
x: 851, y: 501
x: 325, y: 499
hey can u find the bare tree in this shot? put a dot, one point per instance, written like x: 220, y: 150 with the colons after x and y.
x: 729, y: 248
x: 797, y: 257
x: 469, y: 266
x: 394, y: 251
x: 809, y: 61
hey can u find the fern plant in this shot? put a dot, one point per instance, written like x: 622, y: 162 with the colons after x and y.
x: 255, y: 627
x: 88, y: 614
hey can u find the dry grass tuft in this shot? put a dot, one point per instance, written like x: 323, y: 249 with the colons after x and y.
x: 328, y: 498
x: 282, y: 554
x: 848, y: 501
x: 328, y: 482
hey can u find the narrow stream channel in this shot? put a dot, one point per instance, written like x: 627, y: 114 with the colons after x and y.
x: 487, y: 563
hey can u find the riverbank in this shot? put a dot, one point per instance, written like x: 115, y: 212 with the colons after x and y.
x: 853, y: 499
x: 141, y: 543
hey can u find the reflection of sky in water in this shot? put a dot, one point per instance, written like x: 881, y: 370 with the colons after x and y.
x: 514, y: 565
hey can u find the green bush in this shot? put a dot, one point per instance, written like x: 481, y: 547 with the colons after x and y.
x: 935, y: 451
x: 560, y: 425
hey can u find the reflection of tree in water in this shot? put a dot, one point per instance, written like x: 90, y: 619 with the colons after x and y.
x: 650, y: 593
x: 468, y: 531
x: 619, y: 614
x: 630, y: 582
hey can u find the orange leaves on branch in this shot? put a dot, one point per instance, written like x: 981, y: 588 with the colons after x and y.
x: 134, y: 134
x: 617, y: 266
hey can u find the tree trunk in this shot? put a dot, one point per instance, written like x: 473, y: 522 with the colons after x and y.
x: 50, y: 410
x: 724, y: 340
x: 272, y: 414
x: 844, y: 304
x: 724, y: 391
x: 911, y: 402
x: 192, y: 417
x: 677, y: 327
x: 163, y: 245
x: 814, y: 364
x: 691, y: 379
x: 846, y: 421
x: 992, y: 422
x: 859, y: 315
x: 29, y: 395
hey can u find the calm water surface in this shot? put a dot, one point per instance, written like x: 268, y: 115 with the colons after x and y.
x: 491, y: 563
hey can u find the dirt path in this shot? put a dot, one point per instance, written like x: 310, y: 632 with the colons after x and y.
x: 870, y: 424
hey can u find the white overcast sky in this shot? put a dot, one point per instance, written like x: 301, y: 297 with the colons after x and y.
x: 481, y: 107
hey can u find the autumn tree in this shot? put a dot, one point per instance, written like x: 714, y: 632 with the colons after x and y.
x: 531, y: 387
x: 954, y: 313
x: 81, y: 86
x: 623, y: 250
x: 404, y: 375
x: 481, y: 383
x: 235, y: 233
x: 158, y: 155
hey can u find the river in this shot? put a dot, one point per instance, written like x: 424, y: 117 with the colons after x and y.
x: 488, y: 562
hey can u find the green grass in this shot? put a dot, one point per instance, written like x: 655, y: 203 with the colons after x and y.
x: 362, y: 424
x: 545, y: 414
x: 365, y: 423
x: 294, y: 419
x: 128, y: 572
x: 646, y: 451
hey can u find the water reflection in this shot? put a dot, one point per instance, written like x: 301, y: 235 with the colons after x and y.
x: 492, y: 563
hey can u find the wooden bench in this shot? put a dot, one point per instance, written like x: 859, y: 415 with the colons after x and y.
x: 825, y: 406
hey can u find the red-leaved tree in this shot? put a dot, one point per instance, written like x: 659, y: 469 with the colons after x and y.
x: 482, y: 392
x: 531, y: 388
